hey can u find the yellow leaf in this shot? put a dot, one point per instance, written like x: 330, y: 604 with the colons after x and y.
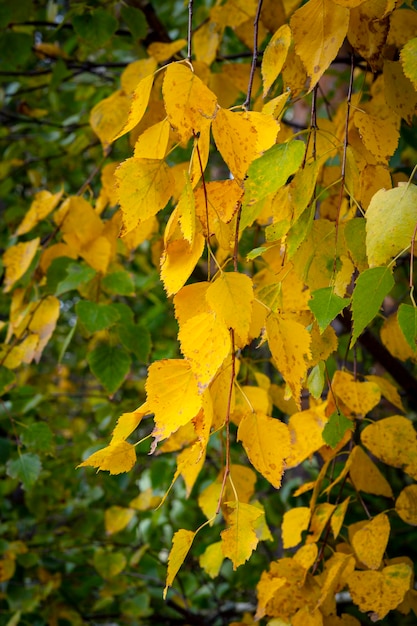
x: 145, y: 501
x: 336, y: 568
x: 206, y: 40
x: 379, y: 136
x: 186, y: 210
x: 289, y: 343
x: 240, y: 539
x: 393, y: 440
x: 338, y: 517
x: 128, y: 422
x: 212, y: 558
x: 365, y: 475
x: 178, y: 262
x: 307, y: 555
x: 406, y: 505
x: 267, y: 443
x: 321, y: 515
x: 394, y: 340
x: 189, y: 104
x: 380, y: 592
x: 134, y: 72
x: 306, y: 429
x: 241, y: 137
x: 274, y: 56
x: 294, y: 523
x: 388, y: 390
x: 43, y: 322
x: 181, y: 544
x: 400, y: 93
x: 43, y: 203
x: 153, y: 142
x: 161, y: 52
x: 78, y: 222
x: 116, y: 458
x: 144, y: 188
x: 7, y: 569
x: 305, y: 617
x: 205, y: 342
x: 139, y: 102
x: 172, y: 395
x: 319, y: 29
x: 116, y: 518
x: 109, y: 116
x: 370, y: 541
x: 359, y: 398
x: 231, y: 297
x: 190, y: 301
x: 142, y: 232
x: 17, y: 260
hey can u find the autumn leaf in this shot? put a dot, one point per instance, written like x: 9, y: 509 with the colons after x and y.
x: 181, y: 544
x: 239, y: 540
x: 140, y: 98
x: 406, y: 505
x: 116, y: 458
x: 267, y: 443
x: 370, y: 541
x: 274, y: 56
x: 17, y: 260
x: 43, y: 204
x: 231, y: 297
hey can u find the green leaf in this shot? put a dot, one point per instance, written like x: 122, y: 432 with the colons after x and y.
x: 136, y: 339
x: 95, y: 27
x: 120, y: 283
x: 267, y: 174
x: 407, y: 320
x: 25, y: 468
x: 408, y: 58
x: 65, y: 274
x: 109, y: 364
x: 315, y: 380
x: 7, y: 379
x: 109, y: 564
x: 326, y: 305
x: 355, y: 236
x: 390, y: 222
x: 15, y: 49
x: 96, y: 316
x: 135, y: 21
x: 371, y: 288
x: 39, y: 437
x: 335, y: 429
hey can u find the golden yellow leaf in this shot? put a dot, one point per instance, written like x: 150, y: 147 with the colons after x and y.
x: 274, y: 56
x: 134, y: 72
x: 393, y: 339
x: 243, y: 136
x: 139, y: 102
x: 161, y: 52
x: 205, y: 342
x: 305, y: 617
x: 368, y: 29
x: 358, y: 397
x: 145, y: 501
x: 400, y: 92
x: 153, y: 142
x: 371, y: 179
x: 239, y: 540
x: 231, y: 297
x: 109, y: 117
x: 17, y: 260
x: 116, y: 518
x: 43, y: 322
x: 319, y: 29
x: 289, y: 343
x: 181, y: 544
x: 22, y: 353
x: 307, y: 555
x: 388, y: 390
x: 43, y: 203
x: 406, y: 505
x: 344, y: 620
x: 97, y: 253
x: 190, y: 301
x: 172, y: 395
x: 333, y: 580
x: 380, y: 592
x: 267, y: 443
x: 206, y: 40
x: 178, y: 262
x: 338, y: 517
x: 128, y: 422
x: 319, y: 518
x: 370, y: 541
x: 116, y: 458
x: 189, y: 104
x: 393, y: 440
x: 294, y: 523
x: 189, y: 464
x: 251, y: 398
x: 365, y: 475
x: 306, y: 429
x: 212, y: 558
x: 380, y: 137
x: 144, y: 188
x: 186, y: 210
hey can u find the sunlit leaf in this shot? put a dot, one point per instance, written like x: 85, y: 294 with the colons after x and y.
x: 17, y: 260
x: 181, y: 544
x: 294, y: 523
x: 43, y: 203
x: 239, y: 540
x: 140, y: 98
x: 116, y: 458
x: 231, y: 297
x: 274, y: 56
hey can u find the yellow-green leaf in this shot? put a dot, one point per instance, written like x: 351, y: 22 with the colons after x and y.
x: 116, y: 518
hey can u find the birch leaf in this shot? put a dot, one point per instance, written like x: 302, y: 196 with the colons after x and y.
x: 371, y: 287
x: 274, y: 56
x: 17, y: 260
x: 370, y: 541
x: 43, y: 203
x: 231, y: 297
x: 181, y: 544
x: 406, y: 505
x: 116, y: 458
x: 140, y: 99
x: 239, y: 540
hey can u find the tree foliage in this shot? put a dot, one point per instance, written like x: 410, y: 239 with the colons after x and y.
x: 209, y: 223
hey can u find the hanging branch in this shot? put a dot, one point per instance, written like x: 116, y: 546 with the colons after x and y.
x: 189, y: 30
x: 246, y: 104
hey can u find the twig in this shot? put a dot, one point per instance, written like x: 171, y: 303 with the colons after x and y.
x: 189, y: 30
x: 246, y: 104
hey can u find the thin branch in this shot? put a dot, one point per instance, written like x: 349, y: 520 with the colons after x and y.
x: 190, y: 30
x: 246, y: 104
